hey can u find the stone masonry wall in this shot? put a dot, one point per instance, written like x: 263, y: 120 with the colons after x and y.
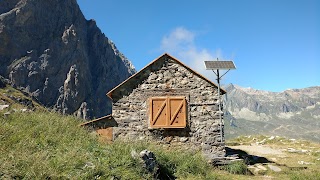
x: 172, y: 79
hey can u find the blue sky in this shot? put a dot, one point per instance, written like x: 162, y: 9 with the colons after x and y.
x: 274, y: 44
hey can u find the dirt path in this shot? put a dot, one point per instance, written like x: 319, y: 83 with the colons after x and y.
x: 258, y: 149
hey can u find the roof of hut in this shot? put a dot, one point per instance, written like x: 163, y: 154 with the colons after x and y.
x: 138, y: 77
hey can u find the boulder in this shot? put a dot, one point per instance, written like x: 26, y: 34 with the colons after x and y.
x: 274, y: 168
x: 148, y: 161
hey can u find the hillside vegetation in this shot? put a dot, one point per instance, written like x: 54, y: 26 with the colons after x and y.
x: 48, y: 145
x: 38, y: 144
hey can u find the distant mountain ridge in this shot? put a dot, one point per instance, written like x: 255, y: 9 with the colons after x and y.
x: 51, y: 51
x: 293, y: 113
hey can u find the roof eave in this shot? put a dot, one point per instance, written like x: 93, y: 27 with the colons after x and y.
x: 109, y: 94
x: 95, y: 120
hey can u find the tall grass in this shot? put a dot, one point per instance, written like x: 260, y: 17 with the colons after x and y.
x: 184, y: 164
x: 47, y: 145
x: 238, y: 167
x: 313, y: 175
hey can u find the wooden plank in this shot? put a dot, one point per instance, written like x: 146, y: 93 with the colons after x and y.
x: 175, y: 114
x: 158, y: 112
x: 105, y: 135
x: 179, y: 116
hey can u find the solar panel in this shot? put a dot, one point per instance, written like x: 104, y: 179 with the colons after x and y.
x: 219, y: 65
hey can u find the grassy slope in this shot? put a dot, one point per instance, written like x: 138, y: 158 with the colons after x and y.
x: 42, y: 144
x: 48, y: 145
x: 45, y: 144
x: 39, y: 145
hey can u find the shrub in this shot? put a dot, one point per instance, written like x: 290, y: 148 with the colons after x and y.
x: 238, y: 167
x: 301, y: 175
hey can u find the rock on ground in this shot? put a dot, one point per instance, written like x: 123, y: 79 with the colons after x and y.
x: 274, y: 168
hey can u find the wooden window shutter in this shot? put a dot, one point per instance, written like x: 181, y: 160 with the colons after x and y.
x: 158, y: 112
x: 168, y: 112
x: 177, y: 113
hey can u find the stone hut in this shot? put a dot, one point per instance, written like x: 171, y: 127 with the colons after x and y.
x: 169, y: 103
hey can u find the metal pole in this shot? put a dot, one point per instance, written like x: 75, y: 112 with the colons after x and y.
x: 219, y: 99
x: 211, y: 65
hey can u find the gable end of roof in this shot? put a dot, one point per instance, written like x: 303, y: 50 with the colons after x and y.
x: 136, y: 76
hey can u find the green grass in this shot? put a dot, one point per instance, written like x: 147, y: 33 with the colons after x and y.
x: 47, y: 145
x: 313, y: 175
x: 184, y: 164
x: 288, y: 161
x: 7, y: 96
x: 237, y: 168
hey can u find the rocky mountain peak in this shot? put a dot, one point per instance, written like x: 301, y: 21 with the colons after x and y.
x: 52, y: 52
x: 291, y: 109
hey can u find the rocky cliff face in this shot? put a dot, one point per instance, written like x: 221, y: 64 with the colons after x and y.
x: 293, y: 113
x: 51, y: 51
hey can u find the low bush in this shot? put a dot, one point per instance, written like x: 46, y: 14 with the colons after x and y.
x: 238, y: 167
x: 304, y: 175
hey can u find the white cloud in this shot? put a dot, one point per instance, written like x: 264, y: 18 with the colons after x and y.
x: 179, y: 39
x: 181, y: 44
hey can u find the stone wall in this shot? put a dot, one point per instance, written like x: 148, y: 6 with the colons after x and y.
x: 169, y: 78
